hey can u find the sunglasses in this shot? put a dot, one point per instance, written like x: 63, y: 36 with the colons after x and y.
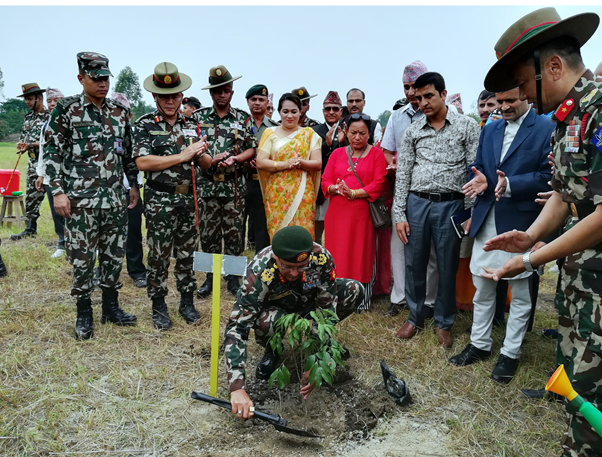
x: 358, y: 116
x: 336, y: 109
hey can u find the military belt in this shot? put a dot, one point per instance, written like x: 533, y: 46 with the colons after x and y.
x: 252, y: 176
x: 581, y: 210
x: 168, y: 188
x: 219, y: 177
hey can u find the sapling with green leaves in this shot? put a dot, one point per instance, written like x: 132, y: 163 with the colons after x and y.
x: 312, y: 343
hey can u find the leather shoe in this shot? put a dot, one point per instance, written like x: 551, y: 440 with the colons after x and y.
x: 504, y: 369
x: 406, y: 332
x: 205, y: 290
x: 469, y: 355
x: 268, y: 364
x: 445, y: 338
x: 140, y: 283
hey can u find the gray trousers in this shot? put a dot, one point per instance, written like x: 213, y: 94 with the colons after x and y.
x: 431, y: 221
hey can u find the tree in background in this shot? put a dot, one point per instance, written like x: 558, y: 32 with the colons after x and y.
x: 12, y: 114
x: 129, y: 84
x: 1, y: 85
x: 383, y: 118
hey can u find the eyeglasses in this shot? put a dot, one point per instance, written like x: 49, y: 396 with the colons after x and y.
x: 335, y: 109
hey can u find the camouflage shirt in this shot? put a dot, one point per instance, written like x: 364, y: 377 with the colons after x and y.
x: 233, y: 134
x: 153, y: 135
x: 308, y: 122
x: 87, y: 150
x: 258, y: 132
x: 32, y: 126
x: 263, y: 288
x: 577, y: 153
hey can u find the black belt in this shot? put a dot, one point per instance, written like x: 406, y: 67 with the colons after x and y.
x: 581, y: 210
x: 169, y: 188
x: 252, y: 176
x: 437, y: 198
x: 219, y: 177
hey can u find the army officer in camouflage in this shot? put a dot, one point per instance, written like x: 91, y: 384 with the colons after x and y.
x: 546, y: 65
x: 88, y: 147
x: 294, y: 275
x: 29, y: 142
x: 222, y: 190
x: 166, y: 147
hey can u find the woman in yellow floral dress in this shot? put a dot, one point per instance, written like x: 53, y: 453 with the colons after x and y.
x: 289, y: 161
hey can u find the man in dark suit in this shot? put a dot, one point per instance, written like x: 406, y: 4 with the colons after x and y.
x: 510, y: 169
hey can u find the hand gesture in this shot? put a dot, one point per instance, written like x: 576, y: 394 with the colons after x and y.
x: 62, y: 205
x: 330, y: 133
x: 242, y: 406
x: 342, y: 134
x: 194, y: 150
x: 476, y: 185
x: 40, y: 184
x: 217, y: 158
x: 307, y: 388
x: 22, y: 147
x: 293, y: 162
x: 511, y: 268
x: 513, y: 241
x: 393, y: 166
x: 544, y: 197
x: 134, y: 197
x: 500, y: 188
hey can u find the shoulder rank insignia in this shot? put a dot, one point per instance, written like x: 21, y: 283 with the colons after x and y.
x: 333, y: 274
x: 593, y: 96
x: 563, y: 110
x: 157, y: 118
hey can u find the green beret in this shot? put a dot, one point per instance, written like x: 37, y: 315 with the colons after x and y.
x: 257, y: 89
x: 292, y: 244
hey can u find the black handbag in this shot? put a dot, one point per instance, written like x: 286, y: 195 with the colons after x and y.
x: 381, y: 219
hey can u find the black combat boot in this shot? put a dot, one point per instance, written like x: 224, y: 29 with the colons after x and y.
x: 111, y: 312
x: 161, y: 318
x: 207, y: 287
x: 187, y: 309
x: 3, y: 270
x: 232, y: 284
x: 268, y: 364
x: 84, y: 324
x: 30, y: 230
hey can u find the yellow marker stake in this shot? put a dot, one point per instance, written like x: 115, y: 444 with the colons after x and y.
x: 215, y: 315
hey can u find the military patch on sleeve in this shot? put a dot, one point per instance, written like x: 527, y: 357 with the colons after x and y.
x: 597, y: 139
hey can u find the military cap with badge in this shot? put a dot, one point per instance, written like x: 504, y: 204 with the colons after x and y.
x: 31, y: 89
x: 302, y: 93
x: 219, y: 76
x: 257, y: 89
x: 292, y: 244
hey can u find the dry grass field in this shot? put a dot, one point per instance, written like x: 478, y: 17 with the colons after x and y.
x: 127, y: 391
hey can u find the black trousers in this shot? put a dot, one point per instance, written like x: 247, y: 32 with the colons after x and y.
x: 256, y: 212
x: 133, y: 244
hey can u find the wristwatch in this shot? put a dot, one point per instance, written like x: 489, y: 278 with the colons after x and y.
x: 527, y: 262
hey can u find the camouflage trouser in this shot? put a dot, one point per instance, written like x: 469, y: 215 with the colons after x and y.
x: 222, y: 219
x: 169, y: 229
x: 580, y: 350
x: 350, y: 294
x: 33, y: 197
x: 89, y: 230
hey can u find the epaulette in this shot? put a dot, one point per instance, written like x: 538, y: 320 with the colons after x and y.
x: 273, y: 122
x: 202, y: 108
x: 593, y: 98
x: 244, y: 113
x: 69, y: 100
x: 144, y: 118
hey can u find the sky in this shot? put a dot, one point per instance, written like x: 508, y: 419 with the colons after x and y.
x: 320, y: 47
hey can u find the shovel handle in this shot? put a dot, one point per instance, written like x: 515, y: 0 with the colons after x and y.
x: 271, y: 418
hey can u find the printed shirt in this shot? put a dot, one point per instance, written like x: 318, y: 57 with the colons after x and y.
x: 233, y: 134
x: 578, y: 158
x: 263, y: 288
x: 87, y: 151
x: 153, y: 135
x: 434, y: 161
x: 32, y: 126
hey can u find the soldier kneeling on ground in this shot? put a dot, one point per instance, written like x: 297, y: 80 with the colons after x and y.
x: 294, y: 275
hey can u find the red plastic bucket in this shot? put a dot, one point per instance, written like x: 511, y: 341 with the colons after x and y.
x: 14, y: 183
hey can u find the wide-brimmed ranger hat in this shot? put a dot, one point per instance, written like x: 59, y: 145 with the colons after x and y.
x: 218, y: 76
x: 30, y: 89
x: 167, y: 80
x: 529, y: 33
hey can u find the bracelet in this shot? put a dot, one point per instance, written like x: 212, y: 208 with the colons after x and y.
x: 275, y: 166
x: 329, y: 190
x: 352, y: 194
x: 527, y: 262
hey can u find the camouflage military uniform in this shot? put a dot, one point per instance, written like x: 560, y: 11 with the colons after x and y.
x: 170, y: 219
x: 308, y: 122
x: 577, y: 148
x: 86, y: 152
x: 30, y: 133
x: 265, y: 296
x: 222, y: 190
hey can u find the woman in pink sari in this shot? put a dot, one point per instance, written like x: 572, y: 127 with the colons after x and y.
x: 289, y: 160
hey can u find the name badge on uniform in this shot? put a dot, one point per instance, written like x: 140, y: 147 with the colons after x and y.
x: 119, y: 146
x: 158, y: 132
x: 189, y: 133
x: 597, y: 139
x: 83, y: 124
